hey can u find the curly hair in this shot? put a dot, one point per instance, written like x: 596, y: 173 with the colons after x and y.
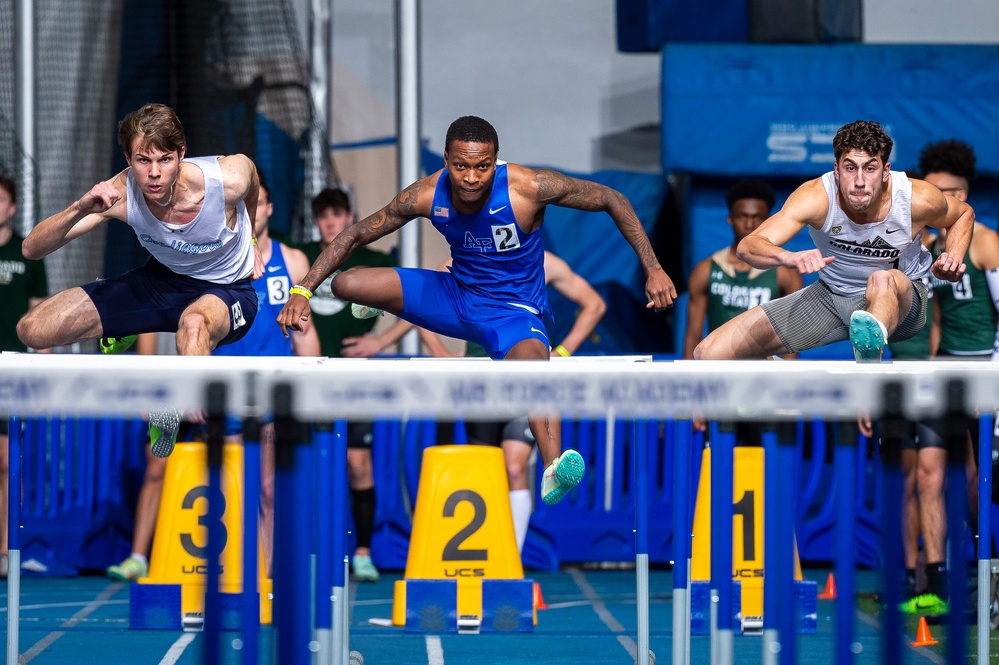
x: 472, y: 129
x: 951, y: 156
x: 750, y: 189
x: 865, y: 135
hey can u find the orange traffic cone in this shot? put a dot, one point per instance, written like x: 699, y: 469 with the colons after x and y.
x: 923, y: 636
x: 539, y: 600
x: 830, y: 592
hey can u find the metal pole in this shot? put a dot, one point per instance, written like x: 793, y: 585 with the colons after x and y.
x: 984, y: 533
x: 26, y: 66
x: 320, y: 56
x: 771, y: 480
x: 408, y: 121
x: 683, y: 443
x: 338, y: 527
x: 722, y: 468
x: 250, y: 620
x: 292, y: 515
x: 955, y: 437
x: 13, y: 539
x: 641, y: 439
x: 783, y: 559
x: 845, y: 465
x: 325, y: 561
x: 215, y: 402
x: 895, y: 431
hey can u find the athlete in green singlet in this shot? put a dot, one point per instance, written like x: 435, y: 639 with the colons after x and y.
x: 964, y: 327
x: 722, y: 286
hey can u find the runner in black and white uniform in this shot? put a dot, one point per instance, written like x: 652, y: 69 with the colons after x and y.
x: 195, y: 216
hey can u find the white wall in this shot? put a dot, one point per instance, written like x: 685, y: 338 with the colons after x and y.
x: 547, y: 75
x: 931, y: 21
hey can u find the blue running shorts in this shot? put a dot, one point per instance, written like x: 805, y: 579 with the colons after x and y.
x: 432, y: 299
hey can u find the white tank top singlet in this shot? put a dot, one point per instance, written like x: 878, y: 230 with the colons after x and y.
x: 204, y: 248
x: 861, y: 249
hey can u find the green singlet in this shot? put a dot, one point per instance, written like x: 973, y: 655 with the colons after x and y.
x: 968, y: 317
x: 330, y: 315
x: 731, y: 293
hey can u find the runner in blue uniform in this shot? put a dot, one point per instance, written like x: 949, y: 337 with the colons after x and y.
x: 491, y: 214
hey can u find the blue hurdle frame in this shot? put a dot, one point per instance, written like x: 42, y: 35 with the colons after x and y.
x: 317, y: 468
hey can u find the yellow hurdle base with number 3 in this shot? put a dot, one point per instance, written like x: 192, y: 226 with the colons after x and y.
x: 179, y: 554
x: 462, y: 526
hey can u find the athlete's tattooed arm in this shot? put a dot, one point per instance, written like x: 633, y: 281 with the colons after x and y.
x: 404, y: 207
x: 552, y: 187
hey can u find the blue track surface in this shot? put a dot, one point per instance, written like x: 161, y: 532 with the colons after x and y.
x: 591, y: 620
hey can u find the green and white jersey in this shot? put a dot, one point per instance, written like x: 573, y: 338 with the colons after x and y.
x: 967, y: 315
x: 731, y: 293
x: 330, y: 315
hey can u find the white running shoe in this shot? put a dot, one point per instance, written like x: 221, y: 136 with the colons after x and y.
x: 163, y: 426
x: 365, y: 312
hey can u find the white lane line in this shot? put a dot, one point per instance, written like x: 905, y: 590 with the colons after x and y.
x: 435, y: 652
x: 44, y: 643
x: 605, y: 614
x: 47, y: 606
x: 176, y: 650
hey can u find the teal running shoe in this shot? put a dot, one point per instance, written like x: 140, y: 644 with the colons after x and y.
x: 114, y: 345
x: 128, y: 570
x: 163, y: 426
x: 364, y: 568
x: 867, y: 336
x: 562, y: 475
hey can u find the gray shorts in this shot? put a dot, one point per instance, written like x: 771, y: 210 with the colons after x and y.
x: 493, y: 433
x: 815, y: 316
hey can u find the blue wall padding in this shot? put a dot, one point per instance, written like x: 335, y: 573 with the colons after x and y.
x: 734, y: 109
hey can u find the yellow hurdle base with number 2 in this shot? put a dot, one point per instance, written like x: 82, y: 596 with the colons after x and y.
x: 462, y: 526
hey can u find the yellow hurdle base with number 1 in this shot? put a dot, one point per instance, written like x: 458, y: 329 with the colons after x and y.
x: 747, y: 528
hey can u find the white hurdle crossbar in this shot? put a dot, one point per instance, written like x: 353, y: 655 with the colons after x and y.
x: 834, y: 390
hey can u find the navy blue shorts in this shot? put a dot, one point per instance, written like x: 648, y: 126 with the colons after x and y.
x: 432, y: 299
x: 152, y: 298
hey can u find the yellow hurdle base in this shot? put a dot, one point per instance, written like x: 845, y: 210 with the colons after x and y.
x: 173, y: 595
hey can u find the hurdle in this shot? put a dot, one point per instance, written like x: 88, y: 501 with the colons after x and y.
x: 14, y: 540
x: 303, y: 392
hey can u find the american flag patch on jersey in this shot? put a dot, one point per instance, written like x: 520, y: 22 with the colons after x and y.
x: 441, y: 211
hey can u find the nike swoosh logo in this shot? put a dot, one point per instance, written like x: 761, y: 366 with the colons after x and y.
x: 493, y: 212
x: 273, y: 268
x: 533, y: 329
x: 892, y: 230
